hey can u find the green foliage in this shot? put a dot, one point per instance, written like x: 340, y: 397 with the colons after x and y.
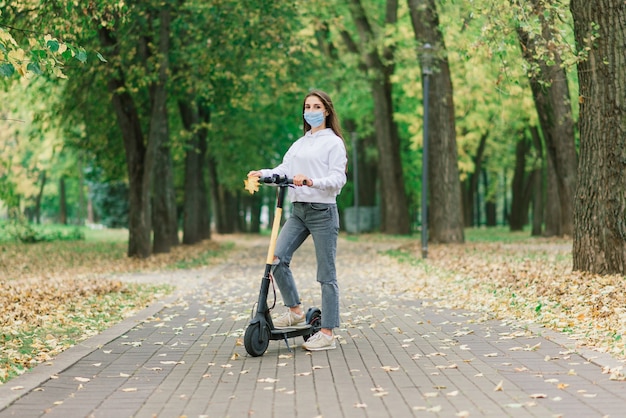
x: 18, y: 229
x: 110, y: 201
x: 34, y: 54
x: 251, y: 63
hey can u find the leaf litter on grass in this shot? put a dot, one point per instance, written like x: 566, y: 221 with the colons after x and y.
x: 531, y: 281
x: 56, y: 294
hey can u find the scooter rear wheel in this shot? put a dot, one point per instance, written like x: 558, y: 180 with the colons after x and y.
x: 256, y: 339
x: 313, y: 318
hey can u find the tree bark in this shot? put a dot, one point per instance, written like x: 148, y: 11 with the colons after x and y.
x: 519, y: 205
x: 471, y: 184
x: 600, y: 205
x: 204, y: 208
x: 394, y: 206
x: 137, y: 162
x: 164, y: 208
x: 82, y: 210
x: 39, y: 197
x: 553, y: 104
x: 224, y: 202
x: 165, y: 216
x: 368, y: 173
x: 62, y: 202
x: 553, y: 206
x: 491, y: 209
x: 367, y: 169
x: 537, y: 195
x: 446, y: 223
x: 193, y: 164
x: 196, y: 213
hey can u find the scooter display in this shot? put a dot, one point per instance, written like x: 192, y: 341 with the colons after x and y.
x: 261, y: 329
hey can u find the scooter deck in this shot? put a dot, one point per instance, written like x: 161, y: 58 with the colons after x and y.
x: 282, y: 333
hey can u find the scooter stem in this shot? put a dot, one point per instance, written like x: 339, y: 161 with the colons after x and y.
x: 276, y: 224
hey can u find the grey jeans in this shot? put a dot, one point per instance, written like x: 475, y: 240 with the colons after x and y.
x: 321, y: 221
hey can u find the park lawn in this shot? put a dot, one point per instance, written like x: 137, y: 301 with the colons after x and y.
x: 55, y: 294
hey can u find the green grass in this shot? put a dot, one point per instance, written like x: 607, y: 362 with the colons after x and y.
x: 482, y: 234
x: 10, y: 231
x: 105, y: 235
x: 495, y: 234
x: 404, y: 257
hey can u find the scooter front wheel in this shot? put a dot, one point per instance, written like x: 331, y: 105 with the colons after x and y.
x: 256, y: 339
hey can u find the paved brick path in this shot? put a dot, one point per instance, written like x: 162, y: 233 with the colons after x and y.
x: 396, y: 357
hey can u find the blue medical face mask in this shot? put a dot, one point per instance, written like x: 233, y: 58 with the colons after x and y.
x: 314, y: 119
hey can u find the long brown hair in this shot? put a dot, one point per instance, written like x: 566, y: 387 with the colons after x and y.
x: 332, y: 121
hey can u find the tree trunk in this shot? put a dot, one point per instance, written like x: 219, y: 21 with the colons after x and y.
x: 196, y: 212
x: 82, y: 210
x: 471, y: 184
x: 165, y: 216
x: 537, y: 195
x: 164, y: 210
x: 491, y: 209
x: 552, y: 100
x: 91, y: 217
x: 251, y: 219
x: 506, y: 211
x: 446, y: 223
x: 138, y: 162
x: 224, y: 202
x: 367, y: 169
x: 468, y: 198
x: 394, y: 207
x: 518, y: 205
x: 39, y: 197
x: 62, y: 202
x: 193, y: 164
x: 204, y: 208
x: 553, y: 205
x: 600, y: 205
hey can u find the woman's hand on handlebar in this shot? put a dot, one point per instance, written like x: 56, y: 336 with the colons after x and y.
x: 254, y: 173
x: 302, y: 180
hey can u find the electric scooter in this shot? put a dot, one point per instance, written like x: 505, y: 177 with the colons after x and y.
x: 261, y: 329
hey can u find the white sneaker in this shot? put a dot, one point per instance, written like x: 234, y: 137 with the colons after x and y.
x: 320, y: 341
x: 290, y: 319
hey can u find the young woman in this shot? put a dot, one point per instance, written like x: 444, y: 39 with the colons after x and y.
x: 317, y: 163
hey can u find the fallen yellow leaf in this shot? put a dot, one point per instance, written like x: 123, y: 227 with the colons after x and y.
x: 498, y: 387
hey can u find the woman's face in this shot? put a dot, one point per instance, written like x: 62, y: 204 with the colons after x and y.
x: 314, y: 104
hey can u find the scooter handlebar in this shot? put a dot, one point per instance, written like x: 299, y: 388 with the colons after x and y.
x: 277, y: 180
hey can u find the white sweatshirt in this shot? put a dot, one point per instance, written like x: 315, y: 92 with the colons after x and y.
x: 321, y: 157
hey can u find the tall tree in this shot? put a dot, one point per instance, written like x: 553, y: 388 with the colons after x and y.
x: 165, y: 220
x: 446, y: 212
x: 380, y: 66
x: 600, y: 205
x: 471, y: 184
x: 139, y: 170
x: 195, y: 213
x: 548, y: 81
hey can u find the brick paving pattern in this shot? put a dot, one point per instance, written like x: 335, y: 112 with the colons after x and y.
x: 395, y: 357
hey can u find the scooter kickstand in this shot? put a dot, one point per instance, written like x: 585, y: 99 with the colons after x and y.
x: 287, y: 342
